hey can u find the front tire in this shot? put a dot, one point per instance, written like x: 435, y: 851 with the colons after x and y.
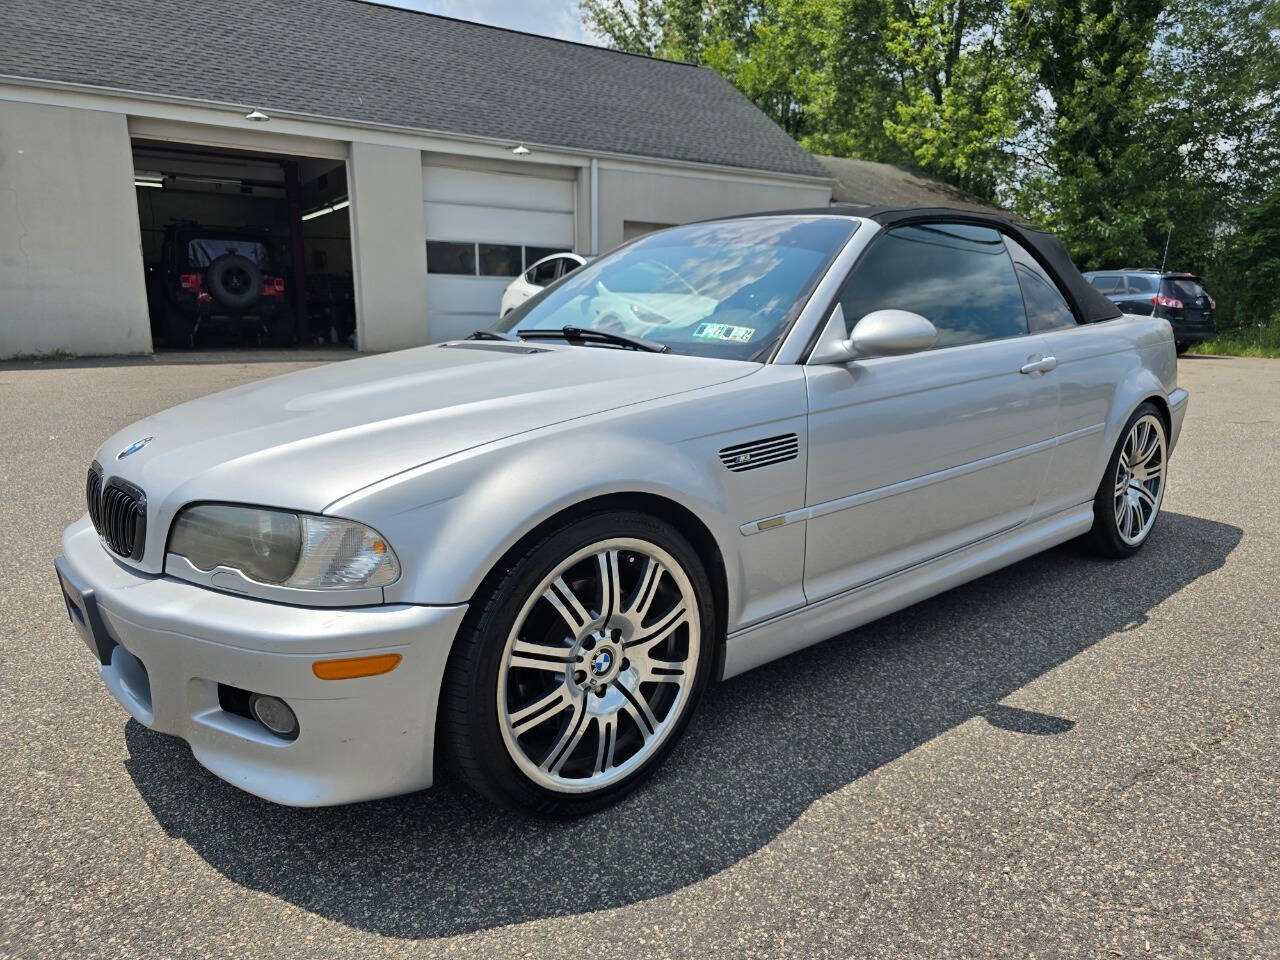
x: 572, y: 681
x: 1129, y: 497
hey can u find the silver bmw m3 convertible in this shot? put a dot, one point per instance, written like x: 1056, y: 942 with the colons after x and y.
x: 532, y: 550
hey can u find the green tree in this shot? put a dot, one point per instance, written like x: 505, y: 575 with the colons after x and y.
x: 1259, y: 250
x: 1122, y: 124
x: 773, y: 51
x: 1215, y: 76
x: 672, y: 29
x: 928, y: 83
x: 1089, y: 169
x: 633, y: 26
x: 962, y: 96
x: 856, y: 89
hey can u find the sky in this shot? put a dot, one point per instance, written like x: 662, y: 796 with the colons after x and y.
x: 552, y: 18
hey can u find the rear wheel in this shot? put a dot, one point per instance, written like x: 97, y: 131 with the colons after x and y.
x: 1128, y: 499
x: 577, y: 677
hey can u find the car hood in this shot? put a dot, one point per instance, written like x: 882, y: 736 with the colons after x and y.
x: 306, y: 439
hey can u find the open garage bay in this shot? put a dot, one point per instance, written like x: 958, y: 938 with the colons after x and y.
x: 244, y: 249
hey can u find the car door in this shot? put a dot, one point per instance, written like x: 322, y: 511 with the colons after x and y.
x: 1088, y: 369
x: 914, y: 456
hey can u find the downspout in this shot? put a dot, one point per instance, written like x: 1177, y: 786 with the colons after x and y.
x: 595, y: 207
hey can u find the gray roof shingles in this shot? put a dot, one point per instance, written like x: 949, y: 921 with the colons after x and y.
x: 865, y: 181
x: 352, y: 60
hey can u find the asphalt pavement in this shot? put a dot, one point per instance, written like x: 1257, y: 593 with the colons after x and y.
x: 1071, y: 757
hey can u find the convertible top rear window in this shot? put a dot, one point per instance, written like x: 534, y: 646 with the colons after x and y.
x: 203, y: 251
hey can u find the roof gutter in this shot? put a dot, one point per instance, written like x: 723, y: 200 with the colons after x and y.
x: 502, y: 142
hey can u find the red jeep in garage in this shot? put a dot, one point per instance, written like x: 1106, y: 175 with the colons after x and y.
x: 219, y: 275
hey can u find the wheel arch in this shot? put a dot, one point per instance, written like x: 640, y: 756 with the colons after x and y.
x: 1162, y: 404
x: 690, y: 525
x: 1140, y: 386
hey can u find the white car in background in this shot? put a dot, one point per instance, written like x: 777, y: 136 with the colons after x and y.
x: 542, y: 274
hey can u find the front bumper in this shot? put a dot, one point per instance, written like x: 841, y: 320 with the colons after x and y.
x: 164, y: 646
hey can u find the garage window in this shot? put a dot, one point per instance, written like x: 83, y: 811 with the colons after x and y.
x: 473, y: 259
x: 500, y: 260
x: 453, y: 258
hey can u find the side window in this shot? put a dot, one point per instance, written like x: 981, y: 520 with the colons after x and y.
x: 1047, y: 308
x: 959, y: 277
x: 1141, y: 284
x: 567, y: 266
x: 544, y: 273
x: 1109, y: 284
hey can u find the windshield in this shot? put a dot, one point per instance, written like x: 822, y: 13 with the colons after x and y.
x: 727, y: 289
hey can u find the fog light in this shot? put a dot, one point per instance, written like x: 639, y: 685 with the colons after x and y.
x: 274, y: 714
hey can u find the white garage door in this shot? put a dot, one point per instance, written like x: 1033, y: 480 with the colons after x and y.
x: 483, y: 230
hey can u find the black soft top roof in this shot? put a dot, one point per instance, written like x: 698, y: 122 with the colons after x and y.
x: 1088, y: 304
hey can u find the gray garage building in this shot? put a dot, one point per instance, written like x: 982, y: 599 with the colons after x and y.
x: 406, y: 166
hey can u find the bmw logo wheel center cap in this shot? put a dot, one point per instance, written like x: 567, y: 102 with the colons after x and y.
x: 601, y: 663
x: 599, y: 659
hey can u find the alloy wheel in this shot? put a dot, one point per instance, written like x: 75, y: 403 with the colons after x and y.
x: 1139, y: 479
x: 599, y: 666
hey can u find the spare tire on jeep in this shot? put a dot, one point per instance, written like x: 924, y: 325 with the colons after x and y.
x: 234, y: 281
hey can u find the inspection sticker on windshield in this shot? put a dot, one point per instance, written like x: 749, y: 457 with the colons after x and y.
x: 724, y: 331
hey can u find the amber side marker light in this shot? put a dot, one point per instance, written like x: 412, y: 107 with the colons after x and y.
x: 352, y: 667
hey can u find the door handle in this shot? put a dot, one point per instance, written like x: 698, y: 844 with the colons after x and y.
x: 1039, y: 365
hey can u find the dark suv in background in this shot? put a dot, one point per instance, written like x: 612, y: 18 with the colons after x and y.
x: 1178, y: 297
x: 225, y: 275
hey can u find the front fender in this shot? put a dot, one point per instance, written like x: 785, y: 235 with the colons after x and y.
x: 501, y: 493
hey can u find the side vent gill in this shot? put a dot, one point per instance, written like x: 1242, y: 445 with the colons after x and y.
x: 760, y: 453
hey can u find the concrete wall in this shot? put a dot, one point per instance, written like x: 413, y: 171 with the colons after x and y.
x: 70, y: 251
x: 669, y: 197
x: 389, y: 246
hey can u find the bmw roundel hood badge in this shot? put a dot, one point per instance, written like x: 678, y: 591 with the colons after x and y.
x: 133, y: 448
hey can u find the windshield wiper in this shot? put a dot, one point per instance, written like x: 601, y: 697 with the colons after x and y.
x: 493, y: 335
x: 581, y: 335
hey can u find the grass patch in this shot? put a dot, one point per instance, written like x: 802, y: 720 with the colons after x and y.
x: 1261, y: 340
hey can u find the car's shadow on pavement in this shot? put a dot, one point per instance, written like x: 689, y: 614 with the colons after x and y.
x: 763, y: 748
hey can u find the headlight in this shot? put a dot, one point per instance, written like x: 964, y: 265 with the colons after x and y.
x: 284, y: 549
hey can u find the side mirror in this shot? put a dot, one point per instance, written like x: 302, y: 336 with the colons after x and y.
x: 881, y: 333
